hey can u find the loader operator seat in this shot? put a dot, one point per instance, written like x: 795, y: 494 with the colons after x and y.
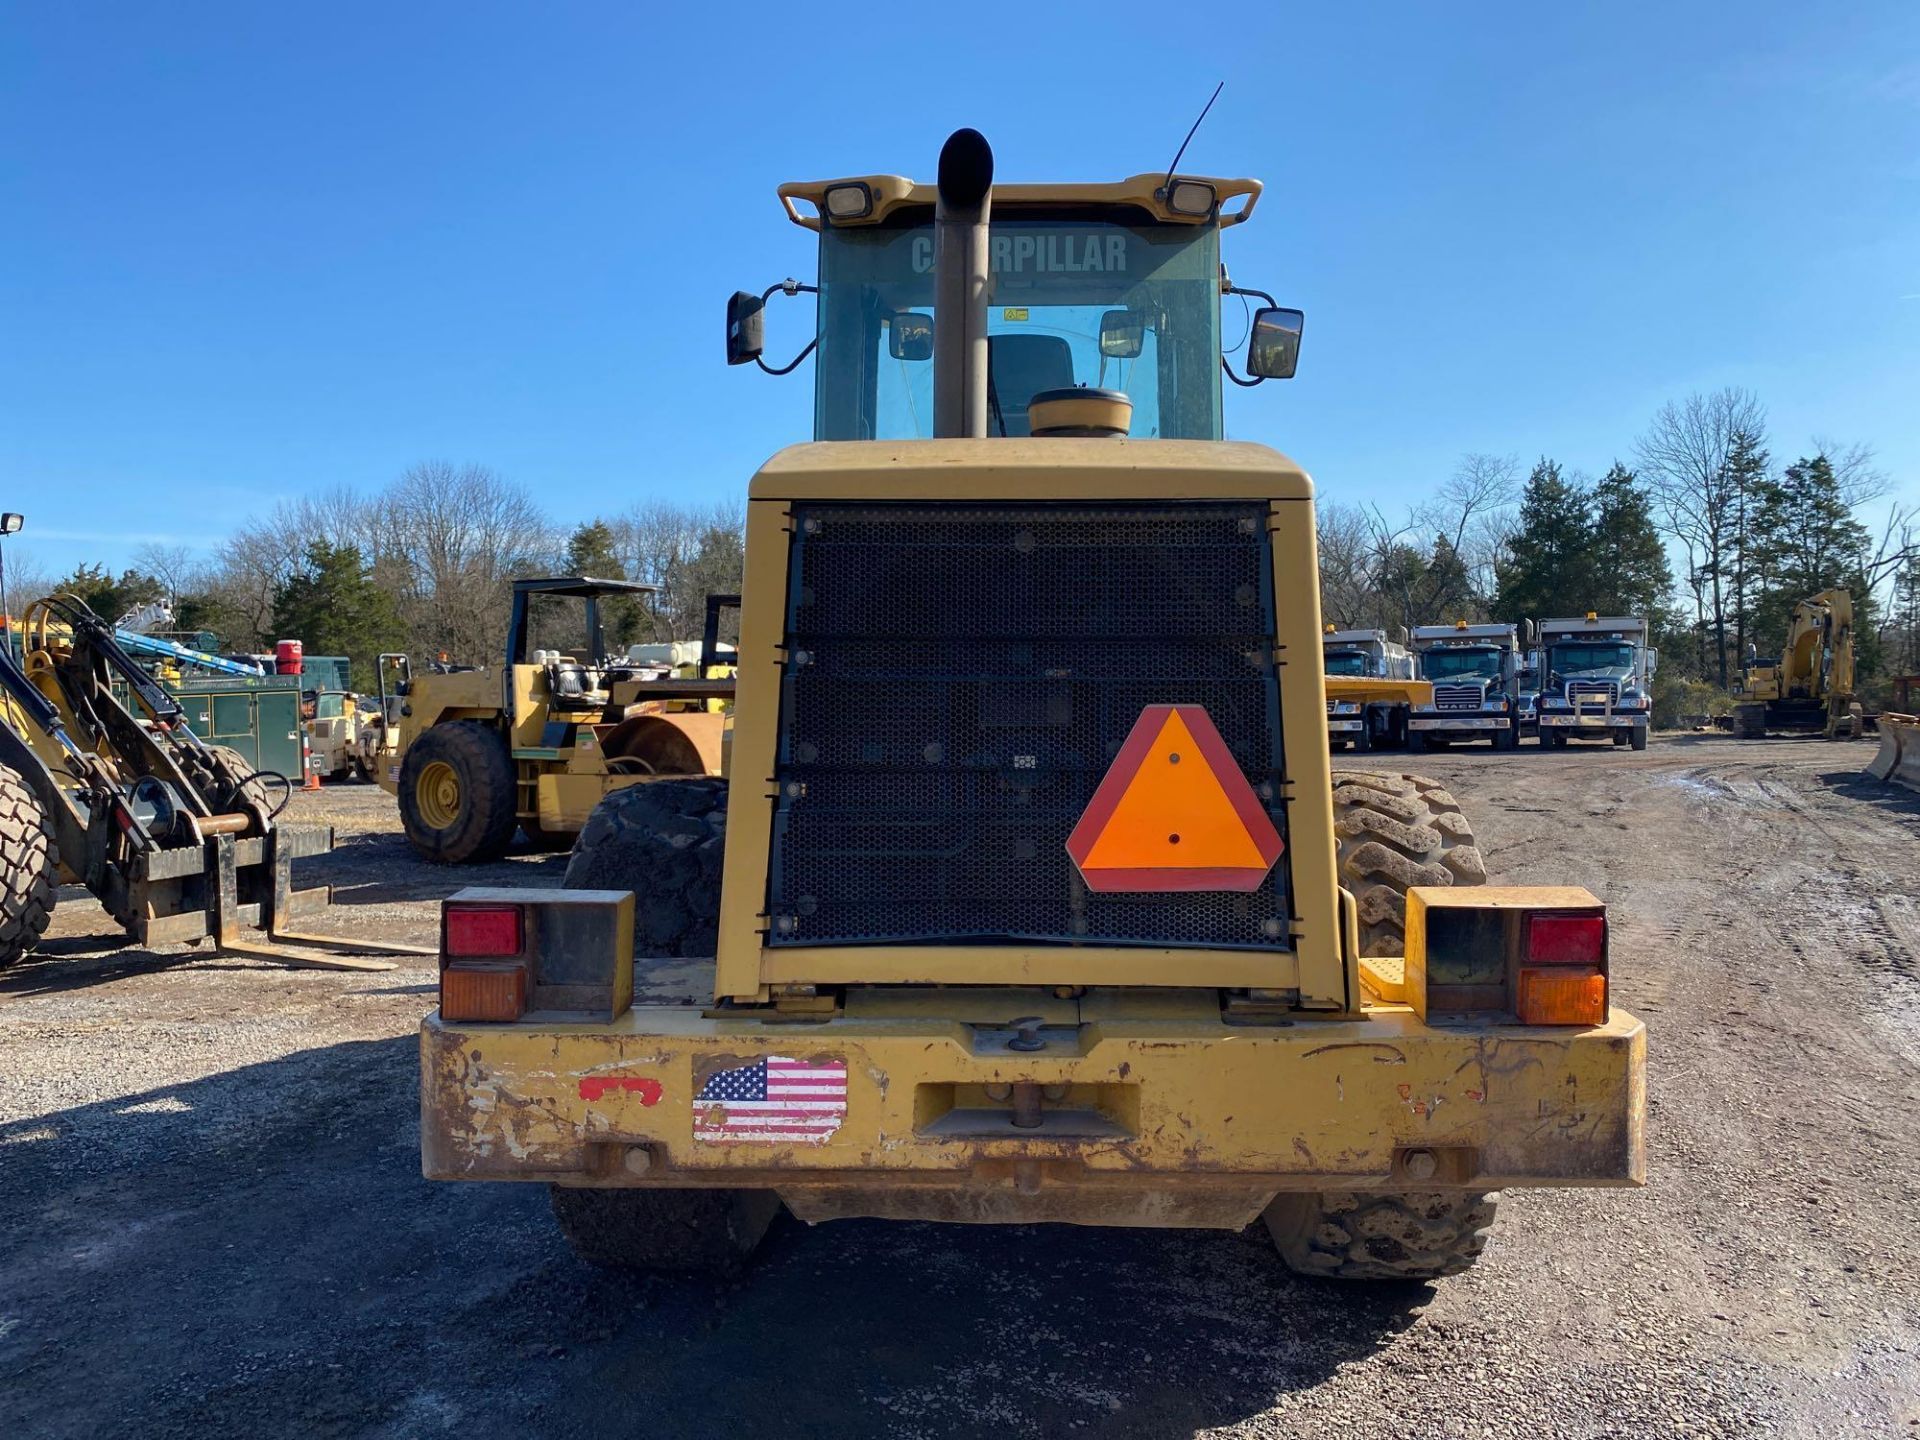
x: 571, y: 685
x: 1018, y: 368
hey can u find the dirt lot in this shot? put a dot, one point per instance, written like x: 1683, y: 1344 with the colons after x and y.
x: 212, y: 1222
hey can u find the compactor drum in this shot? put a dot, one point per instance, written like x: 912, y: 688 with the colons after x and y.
x: 1031, y: 896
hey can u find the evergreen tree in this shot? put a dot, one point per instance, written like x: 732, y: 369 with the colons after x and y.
x: 592, y: 550
x: 330, y: 603
x: 1629, y: 564
x: 107, y: 597
x: 1743, y: 478
x: 1804, y: 539
x: 1549, y: 566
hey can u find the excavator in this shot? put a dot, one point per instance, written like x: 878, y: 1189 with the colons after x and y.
x: 1810, y: 689
x: 180, y: 841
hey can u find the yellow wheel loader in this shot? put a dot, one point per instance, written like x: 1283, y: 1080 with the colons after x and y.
x: 180, y: 841
x: 1810, y: 689
x: 537, y: 743
x: 1032, y: 895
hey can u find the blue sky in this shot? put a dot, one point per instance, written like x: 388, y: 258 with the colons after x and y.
x: 253, y: 251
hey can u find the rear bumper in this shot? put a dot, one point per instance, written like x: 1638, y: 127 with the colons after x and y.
x: 1617, y: 720
x: 1207, y: 1118
x: 1460, y: 722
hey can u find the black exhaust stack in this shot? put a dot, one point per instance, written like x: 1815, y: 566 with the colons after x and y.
x: 961, y: 277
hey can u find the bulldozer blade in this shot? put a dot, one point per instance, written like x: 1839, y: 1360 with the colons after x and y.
x: 1898, y: 760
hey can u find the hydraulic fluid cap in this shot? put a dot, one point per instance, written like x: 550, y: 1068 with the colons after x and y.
x: 1080, y: 410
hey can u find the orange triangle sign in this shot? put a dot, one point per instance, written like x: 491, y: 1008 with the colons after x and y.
x: 1173, y: 812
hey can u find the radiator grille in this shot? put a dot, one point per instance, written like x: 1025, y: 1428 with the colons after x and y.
x: 1607, y: 690
x: 1458, y: 697
x: 958, y: 679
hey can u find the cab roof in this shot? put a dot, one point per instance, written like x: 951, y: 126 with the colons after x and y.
x: 891, y: 194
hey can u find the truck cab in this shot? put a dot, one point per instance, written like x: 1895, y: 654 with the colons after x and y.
x: 1475, y: 674
x: 1596, y: 680
x: 1371, y: 689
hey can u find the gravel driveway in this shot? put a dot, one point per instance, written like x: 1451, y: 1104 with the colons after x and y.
x: 212, y: 1221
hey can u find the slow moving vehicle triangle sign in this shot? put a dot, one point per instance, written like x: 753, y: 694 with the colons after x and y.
x: 1173, y: 812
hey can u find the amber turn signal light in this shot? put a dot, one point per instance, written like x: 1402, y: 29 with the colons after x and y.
x: 1562, y: 995
x: 483, y: 993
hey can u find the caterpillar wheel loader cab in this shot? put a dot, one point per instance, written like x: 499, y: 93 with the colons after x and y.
x: 1809, y: 690
x: 1032, y: 895
x: 538, y: 742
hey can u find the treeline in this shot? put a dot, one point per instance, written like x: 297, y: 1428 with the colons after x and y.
x: 424, y: 566
x: 1700, y: 526
x: 1702, y: 529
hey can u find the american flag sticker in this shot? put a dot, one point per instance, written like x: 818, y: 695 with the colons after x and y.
x: 778, y: 1100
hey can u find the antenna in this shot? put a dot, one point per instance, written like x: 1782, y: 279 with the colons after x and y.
x: 1190, y: 134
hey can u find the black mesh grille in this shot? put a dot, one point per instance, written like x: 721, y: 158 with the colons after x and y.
x: 959, y: 678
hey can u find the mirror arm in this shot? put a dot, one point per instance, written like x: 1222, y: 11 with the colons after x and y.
x: 1227, y: 287
x: 791, y: 365
x: 1248, y: 384
x: 788, y: 287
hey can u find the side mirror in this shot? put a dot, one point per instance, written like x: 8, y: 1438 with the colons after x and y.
x: 746, y: 328
x: 1122, y: 334
x: 1274, y: 351
x: 910, y: 336
x: 1653, y: 662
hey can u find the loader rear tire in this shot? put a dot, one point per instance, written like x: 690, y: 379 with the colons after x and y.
x: 1348, y: 1236
x: 664, y: 841
x: 1395, y: 832
x: 713, y: 1232
x: 457, y: 793
x: 29, y: 869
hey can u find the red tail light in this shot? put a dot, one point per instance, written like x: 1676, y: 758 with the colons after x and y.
x: 482, y: 932
x: 1566, y: 939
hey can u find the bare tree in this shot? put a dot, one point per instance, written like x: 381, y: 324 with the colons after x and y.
x: 1347, y: 596
x: 1683, y: 456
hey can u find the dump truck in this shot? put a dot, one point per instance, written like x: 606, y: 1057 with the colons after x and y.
x: 536, y: 742
x: 1475, y: 674
x: 1597, y: 673
x: 1808, y: 690
x: 1022, y: 901
x: 1371, y: 691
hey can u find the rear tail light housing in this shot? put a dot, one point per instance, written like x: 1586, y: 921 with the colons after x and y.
x: 483, y: 962
x: 1527, y: 955
x: 564, y: 953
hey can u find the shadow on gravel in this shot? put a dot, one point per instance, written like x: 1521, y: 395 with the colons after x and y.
x: 256, y: 1252
x: 384, y: 869
x: 79, y: 962
x: 1857, y: 785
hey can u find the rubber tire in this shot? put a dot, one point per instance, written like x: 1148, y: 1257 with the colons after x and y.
x: 1619, y: 738
x: 1639, y: 740
x: 1395, y: 832
x: 29, y: 869
x: 1555, y: 739
x: 1417, y: 741
x: 1346, y: 1235
x: 664, y: 840
x: 712, y: 1232
x: 484, y: 828
x: 1363, y: 741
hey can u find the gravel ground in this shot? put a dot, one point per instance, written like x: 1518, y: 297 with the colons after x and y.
x: 212, y: 1221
